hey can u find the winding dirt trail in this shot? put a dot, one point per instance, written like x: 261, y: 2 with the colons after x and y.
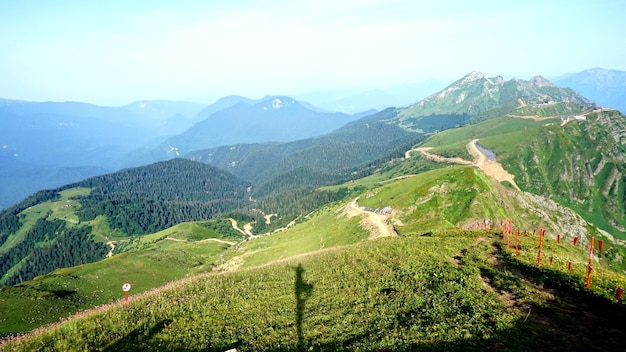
x: 218, y: 240
x: 376, y: 224
x: 204, y: 240
x: 491, y: 168
x: 247, y: 228
x: 112, y: 245
x: 175, y: 239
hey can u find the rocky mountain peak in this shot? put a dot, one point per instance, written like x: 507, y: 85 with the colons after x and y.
x: 472, y: 76
x: 540, y: 81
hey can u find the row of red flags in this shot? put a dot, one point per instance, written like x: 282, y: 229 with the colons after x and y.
x: 507, y: 229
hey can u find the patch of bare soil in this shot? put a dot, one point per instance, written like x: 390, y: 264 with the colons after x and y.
x: 377, y: 224
x: 112, y: 245
x: 491, y: 168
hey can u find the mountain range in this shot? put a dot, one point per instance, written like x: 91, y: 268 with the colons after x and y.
x: 402, y: 201
x: 66, y: 142
x: 271, y: 119
x: 605, y: 87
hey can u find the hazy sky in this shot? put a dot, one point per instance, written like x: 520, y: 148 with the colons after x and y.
x: 115, y: 52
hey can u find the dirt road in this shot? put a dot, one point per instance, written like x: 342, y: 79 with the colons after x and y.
x: 491, y: 168
x: 376, y: 224
x: 246, y: 228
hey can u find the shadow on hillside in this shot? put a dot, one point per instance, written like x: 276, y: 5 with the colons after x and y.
x: 136, y: 339
x: 303, y: 291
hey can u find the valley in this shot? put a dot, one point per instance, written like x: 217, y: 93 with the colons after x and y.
x: 387, y: 233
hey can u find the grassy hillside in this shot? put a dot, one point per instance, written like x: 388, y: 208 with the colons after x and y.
x: 431, y: 203
x: 580, y: 165
x: 146, y: 262
x: 447, y: 291
x: 405, y: 291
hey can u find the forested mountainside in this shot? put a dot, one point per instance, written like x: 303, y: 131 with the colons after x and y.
x: 44, y: 232
x: 154, y: 197
x: 271, y: 119
x: 47, y: 246
x: 335, y: 157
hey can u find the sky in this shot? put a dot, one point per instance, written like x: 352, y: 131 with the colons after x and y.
x: 116, y: 52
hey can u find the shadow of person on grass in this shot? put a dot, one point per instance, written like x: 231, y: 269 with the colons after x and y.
x: 303, y: 291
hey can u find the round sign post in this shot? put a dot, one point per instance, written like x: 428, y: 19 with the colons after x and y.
x: 126, y: 288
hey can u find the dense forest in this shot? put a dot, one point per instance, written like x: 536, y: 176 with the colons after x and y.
x: 49, y: 245
x: 151, y: 198
x: 350, y: 147
x: 439, y: 122
x: 9, y: 218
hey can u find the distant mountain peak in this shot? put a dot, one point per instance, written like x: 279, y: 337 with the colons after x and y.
x: 277, y: 103
x: 540, y: 81
x: 472, y: 76
x: 475, y: 94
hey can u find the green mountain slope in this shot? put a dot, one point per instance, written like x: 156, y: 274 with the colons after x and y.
x: 578, y: 163
x: 431, y: 203
x: 444, y: 292
x: 476, y: 97
x: 146, y: 262
x: 332, y: 158
x: 68, y: 226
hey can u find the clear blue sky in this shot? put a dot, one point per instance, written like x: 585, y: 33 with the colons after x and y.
x: 115, y: 52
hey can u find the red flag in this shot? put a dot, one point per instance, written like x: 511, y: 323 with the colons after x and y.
x: 575, y: 240
x: 558, y: 238
x: 589, y: 268
x: 516, y: 242
x: 600, y: 245
x: 569, y: 266
x: 539, y: 257
x: 620, y: 291
x: 551, y: 260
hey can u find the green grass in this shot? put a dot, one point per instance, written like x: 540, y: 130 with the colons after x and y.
x: 396, y: 294
x: 438, y: 199
x: 375, y: 295
x: 328, y: 227
x: 149, y: 262
x: 492, y: 127
x: 61, y: 209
